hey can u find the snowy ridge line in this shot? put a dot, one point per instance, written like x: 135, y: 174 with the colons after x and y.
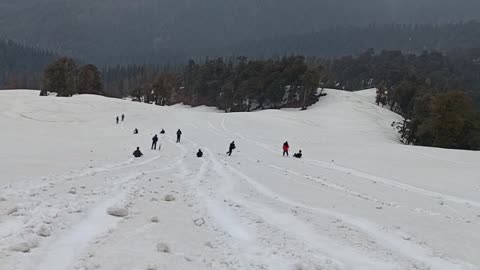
x: 347, y: 191
x: 408, y: 249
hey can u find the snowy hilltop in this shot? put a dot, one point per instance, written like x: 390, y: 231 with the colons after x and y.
x: 72, y: 195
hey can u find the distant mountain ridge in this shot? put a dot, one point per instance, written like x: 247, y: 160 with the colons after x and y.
x: 125, y: 31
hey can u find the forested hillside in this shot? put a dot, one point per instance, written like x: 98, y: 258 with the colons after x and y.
x: 353, y: 40
x: 125, y: 31
x: 21, y: 66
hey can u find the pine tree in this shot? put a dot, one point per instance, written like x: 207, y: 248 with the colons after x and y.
x: 60, y: 77
x: 90, y: 81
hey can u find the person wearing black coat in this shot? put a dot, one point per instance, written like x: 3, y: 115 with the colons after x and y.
x: 231, y: 148
x: 154, y: 142
x: 137, y: 153
x: 298, y: 155
x: 199, y: 153
x: 179, y: 135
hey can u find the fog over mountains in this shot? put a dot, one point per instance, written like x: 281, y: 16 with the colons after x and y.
x: 119, y: 31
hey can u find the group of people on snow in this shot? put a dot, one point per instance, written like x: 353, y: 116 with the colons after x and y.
x: 137, y: 153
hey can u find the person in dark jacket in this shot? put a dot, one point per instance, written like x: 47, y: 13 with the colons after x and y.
x: 231, y: 148
x: 285, y: 149
x: 137, y: 153
x: 298, y: 155
x: 199, y: 153
x: 123, y: 117
x: 162, y: 132
x: 179, y: 135
x: 154, y: 142
x: 118, y: 119
x: 135, y: 131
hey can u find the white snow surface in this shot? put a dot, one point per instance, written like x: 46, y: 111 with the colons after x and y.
x: 357, y: 200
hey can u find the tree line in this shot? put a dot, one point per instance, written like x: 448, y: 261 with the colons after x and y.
x: 240, y: 85
x: 66, y: 79
x: 437, y: 94
x: 21, y: 66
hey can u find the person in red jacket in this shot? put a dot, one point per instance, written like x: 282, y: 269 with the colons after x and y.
x: 285, y: 149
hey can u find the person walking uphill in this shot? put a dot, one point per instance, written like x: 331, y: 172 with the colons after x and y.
x: 123, y: 117
x: 231, y: 148
x: 285, y: 149
x: 179, y: 135
x: 154, y: 142
x: 118, y: 119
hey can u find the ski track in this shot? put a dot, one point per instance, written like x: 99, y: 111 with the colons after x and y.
x: 281, y: 241
x: 373, y: 178
x: 63, y: 252
x: 397, y: 244
x: 391, y: 241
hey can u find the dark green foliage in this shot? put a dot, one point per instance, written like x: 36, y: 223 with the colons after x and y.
x: 235, y: 85
x: 90, y: 80
x: 63, y: 78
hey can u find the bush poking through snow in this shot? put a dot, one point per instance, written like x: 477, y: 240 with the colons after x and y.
x: 117, y: 211
x: 169, y: 198
x: 162, y: 247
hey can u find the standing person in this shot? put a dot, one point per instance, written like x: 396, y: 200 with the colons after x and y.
x: 285, y: 149
x: 123, y: 117
x: 137, y: 153
x: 118, y: 120
x: 154, y: 142
x: 179, y: 135
x: 231, y: 148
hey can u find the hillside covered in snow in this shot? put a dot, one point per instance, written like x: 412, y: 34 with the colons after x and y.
x: 73, y: 197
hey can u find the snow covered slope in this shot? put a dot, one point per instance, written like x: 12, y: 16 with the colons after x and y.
x: 357, y: 200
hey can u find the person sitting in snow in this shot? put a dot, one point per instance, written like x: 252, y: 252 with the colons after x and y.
x: 298, y: 155
x: 135, y: 131
x: 137, y: 153
x: 199, y: 153
x: 162, y: 132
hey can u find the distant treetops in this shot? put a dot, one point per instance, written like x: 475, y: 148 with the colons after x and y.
x: 64, y: 78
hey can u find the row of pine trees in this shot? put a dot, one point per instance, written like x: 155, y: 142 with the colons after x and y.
x: 66, y: 79
x: 437, y: 94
